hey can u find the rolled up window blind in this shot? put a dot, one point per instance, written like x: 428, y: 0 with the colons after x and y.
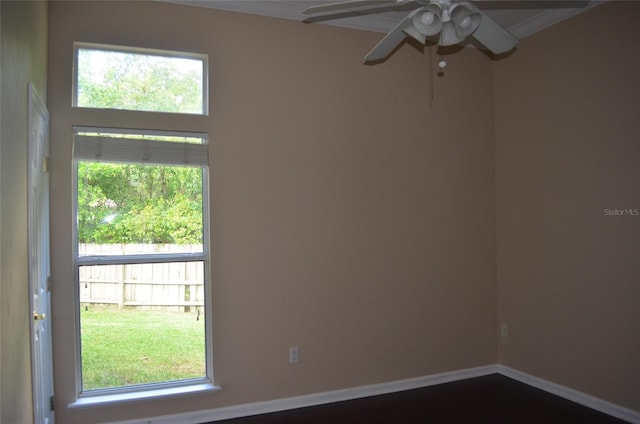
x: 132, y: 149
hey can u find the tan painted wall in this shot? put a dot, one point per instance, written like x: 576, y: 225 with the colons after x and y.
x: 23, y: 59
x: 349, y: 218
x: 567, y: 148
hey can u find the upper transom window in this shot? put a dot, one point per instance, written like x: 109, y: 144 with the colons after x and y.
x: 109, y: 77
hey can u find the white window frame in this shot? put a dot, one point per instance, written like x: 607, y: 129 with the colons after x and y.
x: 151, y: 52
x: 90, y: 148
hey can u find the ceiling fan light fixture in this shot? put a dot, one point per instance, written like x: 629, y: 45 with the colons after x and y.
x: 428, y: 20
x: 465, y: 19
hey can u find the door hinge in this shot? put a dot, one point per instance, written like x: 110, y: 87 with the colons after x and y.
x: 49, y: 283
x: 51, y: 404
x: 45, y: 164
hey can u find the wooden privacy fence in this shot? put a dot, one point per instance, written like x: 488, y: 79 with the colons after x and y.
x: 177, y: 286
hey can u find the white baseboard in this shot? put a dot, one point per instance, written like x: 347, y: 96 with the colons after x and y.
x: 278, y: 405
x: 572, y: 395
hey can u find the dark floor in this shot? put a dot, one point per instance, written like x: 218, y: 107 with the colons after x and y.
x: 492, y: 399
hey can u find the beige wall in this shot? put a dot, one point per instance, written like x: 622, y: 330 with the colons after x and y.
x: 349, y: 218
x: 23, y: 60
x: 567, y: 149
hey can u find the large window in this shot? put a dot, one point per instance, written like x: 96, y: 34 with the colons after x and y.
x: 141, y: 252
x: 141, y: 258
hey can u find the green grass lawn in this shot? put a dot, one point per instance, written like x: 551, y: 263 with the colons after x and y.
x: 129, y: 347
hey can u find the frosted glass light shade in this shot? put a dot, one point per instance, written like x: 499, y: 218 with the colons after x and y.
x: 428, y: 20
x: 464, y: 18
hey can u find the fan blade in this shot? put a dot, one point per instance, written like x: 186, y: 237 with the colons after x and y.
x: 330, y: 7
x: 493, y: 36
x: 389, y: 42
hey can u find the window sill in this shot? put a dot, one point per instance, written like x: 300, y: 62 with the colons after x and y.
x: 102, y: 400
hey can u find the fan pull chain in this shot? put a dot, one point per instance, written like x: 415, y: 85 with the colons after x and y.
x: 441, y: 64
x: 430, y: 77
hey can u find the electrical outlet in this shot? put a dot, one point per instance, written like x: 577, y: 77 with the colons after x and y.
x: 294, y: 355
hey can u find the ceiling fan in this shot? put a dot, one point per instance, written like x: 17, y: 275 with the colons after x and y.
x: 448, y: 22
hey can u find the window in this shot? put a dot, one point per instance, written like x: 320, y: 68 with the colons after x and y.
x: 141, y: 258
x: 108, y: 77
x: 141, y: 251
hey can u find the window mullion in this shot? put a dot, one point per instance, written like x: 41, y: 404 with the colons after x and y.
x: 140, y: 259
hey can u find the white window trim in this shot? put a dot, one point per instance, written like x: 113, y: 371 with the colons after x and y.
x: 162, y: 389
x: 119, y: 398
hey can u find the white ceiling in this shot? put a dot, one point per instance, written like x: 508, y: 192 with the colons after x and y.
x: 520, y: 17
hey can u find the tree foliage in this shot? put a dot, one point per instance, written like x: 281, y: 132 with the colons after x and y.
x: 125, y: 203
x: 117, y: 80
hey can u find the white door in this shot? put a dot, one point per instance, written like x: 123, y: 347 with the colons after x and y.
x: 38, y: 211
